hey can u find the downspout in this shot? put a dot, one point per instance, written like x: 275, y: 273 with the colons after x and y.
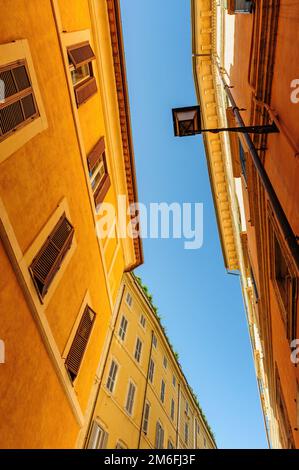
x: 103, y: 370
x: 145, y: 391
x: 290, y: 237
x: 178, y: 416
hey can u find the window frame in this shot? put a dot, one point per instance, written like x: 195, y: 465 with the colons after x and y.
x: 130, y: 403
x: 151, y: 370
x: 96, y: 156
x: 159, y: 437
x: 122, y: 332
x: 138, y: 350
x: 145, y: 421
x: 162, y: 391
x: 89, y: 81
x: 13, y: 52
x: 112, y: 381
x: 288, y: 310
x: 102, y: 438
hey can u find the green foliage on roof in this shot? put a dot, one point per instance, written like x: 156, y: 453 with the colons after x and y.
x: 176, y: 354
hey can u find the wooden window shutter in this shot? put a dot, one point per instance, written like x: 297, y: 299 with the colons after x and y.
x: 80, y: 54
x: 19, y: 105
x: 78, y: 347
x: 86, y: 90
x: 48, y: 260
x: 97, y: 153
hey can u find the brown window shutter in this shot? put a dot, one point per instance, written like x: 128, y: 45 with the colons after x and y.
x: 80, y: 54
x: 19, y: 105
x: 96, y: 153
x: 78, y: 347
x: 48, y: 260
x: 86, y: 90
x: 101, y: 193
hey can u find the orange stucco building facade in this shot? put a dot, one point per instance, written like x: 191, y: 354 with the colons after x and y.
x: 245, y: 67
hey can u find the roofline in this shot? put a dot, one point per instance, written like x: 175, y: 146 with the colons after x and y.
x: 119, y: 62
x: 179, y: 368
x: 197, y: 90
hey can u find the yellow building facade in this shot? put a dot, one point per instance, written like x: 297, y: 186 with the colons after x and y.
x: 143, y: 399
x: 65, y: 148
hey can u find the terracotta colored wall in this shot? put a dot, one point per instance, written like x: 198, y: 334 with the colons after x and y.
x: 281, y: 166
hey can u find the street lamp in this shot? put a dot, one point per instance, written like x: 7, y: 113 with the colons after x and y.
x: 187, y: 121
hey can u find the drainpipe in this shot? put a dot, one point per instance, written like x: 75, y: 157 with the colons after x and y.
x: 178, y: 416
x: 145, y: 391
x: 290, y: 237
x: 103, y: 370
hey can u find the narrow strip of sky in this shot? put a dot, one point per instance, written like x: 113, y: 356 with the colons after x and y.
x: 200, y: 304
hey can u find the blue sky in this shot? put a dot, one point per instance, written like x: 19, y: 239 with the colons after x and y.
x: 200, y: 304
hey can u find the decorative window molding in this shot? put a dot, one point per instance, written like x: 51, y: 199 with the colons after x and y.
x: 63, y: 259
x: 22, y: 114
x: 48, y: 260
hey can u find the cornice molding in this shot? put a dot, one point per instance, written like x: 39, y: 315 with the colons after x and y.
x: 116, y: 37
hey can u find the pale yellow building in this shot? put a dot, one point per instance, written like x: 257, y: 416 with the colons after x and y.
x: 143, y: 400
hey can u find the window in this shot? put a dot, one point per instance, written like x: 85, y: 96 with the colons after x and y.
x: 170, y: 444
x: 159, y: 442
x: 98, y: 172
x: 239, y: 6
x: 112, y: 376
x: 138, y: 350
x: 129, y: 299
x: 80, y: 61
x: 123, y: 328
x: 48, y: 260
x: 120, y: 445
x: 204, y: 442
x: 142, y: 321
x: 146, y: 418
x: 172, y: 409
x: 284, y: 425
x: 98, y: 437
x: 19, y: 105
x: 154, y: 341
x: 186, y: 434
x: 162, y: 393
x: 79, y: 344
x: 187, y: 408
x: 285, y: 284
x: 165, y: 362
x: 130, y: 398
x: 151, y: 371
x: 173, y: 380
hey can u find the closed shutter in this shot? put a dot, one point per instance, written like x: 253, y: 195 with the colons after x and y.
x: 75, y: 355
x: 97, y: 154
x: 86, y: 90
x: 48, y: 260
x: 18, y: 106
